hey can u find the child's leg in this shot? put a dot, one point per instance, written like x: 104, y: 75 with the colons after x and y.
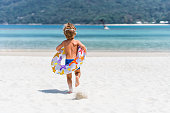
x: 77, y: 73
x: 69, y: 81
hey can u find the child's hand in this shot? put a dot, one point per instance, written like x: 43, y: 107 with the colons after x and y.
x: 85, y: 51
x: 82, y: 46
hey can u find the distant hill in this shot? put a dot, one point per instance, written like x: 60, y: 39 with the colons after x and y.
x: 83, y: 11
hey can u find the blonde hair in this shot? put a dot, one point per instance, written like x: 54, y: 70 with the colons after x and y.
x: 69, y: 31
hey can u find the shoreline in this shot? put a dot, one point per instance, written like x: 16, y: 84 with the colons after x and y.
x: 96, y: 24
x: 90, y: 53
x: 53, y: 50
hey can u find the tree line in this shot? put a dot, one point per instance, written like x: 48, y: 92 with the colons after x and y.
x: 83, y: 11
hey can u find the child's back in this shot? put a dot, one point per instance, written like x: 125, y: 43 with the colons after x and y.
x: 71, y: 47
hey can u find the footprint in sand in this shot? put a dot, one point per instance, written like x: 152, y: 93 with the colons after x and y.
x: 80, y: 95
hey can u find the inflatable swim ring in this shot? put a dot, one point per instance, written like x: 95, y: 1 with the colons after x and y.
x: 66, y: 69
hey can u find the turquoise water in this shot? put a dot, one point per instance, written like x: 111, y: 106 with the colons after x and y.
x: 117, y: 38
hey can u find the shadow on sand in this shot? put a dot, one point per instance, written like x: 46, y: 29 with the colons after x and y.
x: 53, y: 91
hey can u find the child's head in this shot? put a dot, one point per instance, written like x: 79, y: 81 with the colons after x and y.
x: 69, y: 31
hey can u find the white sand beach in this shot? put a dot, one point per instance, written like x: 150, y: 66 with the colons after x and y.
x: 123, y: 83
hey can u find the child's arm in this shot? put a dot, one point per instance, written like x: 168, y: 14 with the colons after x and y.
x: 60, y: 46
x: 82, y: 46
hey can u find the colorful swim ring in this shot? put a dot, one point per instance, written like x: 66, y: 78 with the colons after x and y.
x: 66, y: 69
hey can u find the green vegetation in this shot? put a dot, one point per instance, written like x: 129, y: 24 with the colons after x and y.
x: 83, y: 11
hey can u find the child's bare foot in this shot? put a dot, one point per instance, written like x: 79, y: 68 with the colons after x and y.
x: 77, y: 81
x: 69, y: 92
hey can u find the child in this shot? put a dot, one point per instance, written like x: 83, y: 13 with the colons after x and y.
x: 71, y: 48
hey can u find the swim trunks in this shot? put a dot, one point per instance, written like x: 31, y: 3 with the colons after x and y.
x: 68, y: 61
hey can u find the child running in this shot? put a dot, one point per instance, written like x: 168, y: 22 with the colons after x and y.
x: 71, y: 47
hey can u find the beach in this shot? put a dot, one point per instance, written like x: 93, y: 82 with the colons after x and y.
x: 115, y: 82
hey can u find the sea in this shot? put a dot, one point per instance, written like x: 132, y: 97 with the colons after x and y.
x: 94, y: 37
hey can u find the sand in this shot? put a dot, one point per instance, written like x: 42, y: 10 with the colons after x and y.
x: 118, y: 84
